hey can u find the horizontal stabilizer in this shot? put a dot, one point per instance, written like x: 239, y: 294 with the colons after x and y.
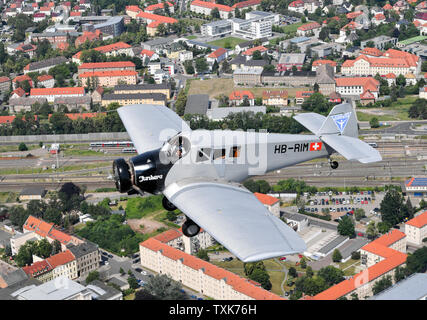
x: 352, y: 148
x: 312, y: 121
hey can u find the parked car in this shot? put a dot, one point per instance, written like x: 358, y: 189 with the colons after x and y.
x: 282, y: 258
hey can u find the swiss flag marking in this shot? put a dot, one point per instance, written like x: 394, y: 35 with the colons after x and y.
x: 315, y: 146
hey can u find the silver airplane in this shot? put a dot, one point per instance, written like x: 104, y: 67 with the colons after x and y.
x: 200, y: 171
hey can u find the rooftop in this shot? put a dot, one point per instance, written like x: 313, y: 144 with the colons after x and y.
x: 419, y: 221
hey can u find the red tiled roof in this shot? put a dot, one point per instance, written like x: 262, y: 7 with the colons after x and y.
x: 18, y: 91
x: 297, y: 3
x: 248, y: 3
x: 168, y: 235
x: 211, y: 5
x: 102, y: 65
x: 60, y: 236
x: 146, y: 52
x: 266, y: 199
x: 133, y: 8
x: 157, y: 6
x: 44, y: 77
x: 250, y: 51
x: 113, y: 73
x: 387, y: 7
x: 303, y: 94
x: 353, y: 15
x: 309, y: 26
x: 37, y: 267
x: 156, y: 18
x: 56, y: 91
x: 419, y: 221
x: 367, y: 83
x: 241, y: 94
x: 367, y: 95
x: 23, y: 78
x: 60, y: 259
x: 372, y: 52
x: 75, y: 13
x: 379, y: 16
x: 393, y: 259
x: 113, y: 47
x: 274, y: 94
x: 237, y: 283
x: 4, y: 79
x: 217, y: 53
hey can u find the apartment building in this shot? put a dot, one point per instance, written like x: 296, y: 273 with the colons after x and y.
x: 318, y: 63
x: 416, y: 229
x: 238, y: 97
x: 217, y: 28
x: 381, y: 257
x: 134, y: 98
x: 153, y: 21
x: 44, y: 65
x: 51, y: 93
x: 63, y: 264
x: 198, y: 274
x: 163, y: 88
x: 392, y: 61
x: 46, y: 81
x: 301, y: 96
x: 109, y: 78
x: 4, y: 84
x: 160, y: 7
x: 204, y: 7
x: 356, y: 86
x: 308, y: 29
x: 271, y: 203
x: 87, y: 257
x: 417, y: 185
x: 114, y: 49
x: 19, y: 239
x: 275, y: 98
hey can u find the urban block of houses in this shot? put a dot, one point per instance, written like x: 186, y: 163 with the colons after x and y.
x: 381, y: 257
x: 289, y: 60
x: 153, y: 21
x: 109, y: 78
x: 275, y: 98
x: 357, y: 86
x: 46, y: 81
x: 44, y: 65
x: 238, y: 97
x: 106, y: 66
x: 308, y: 29
x: 198, y: 274
x: 392, y: 61
x: 51, y: 93
x: 113, y: 49
x: 416, y: 229
x: 125, y: 99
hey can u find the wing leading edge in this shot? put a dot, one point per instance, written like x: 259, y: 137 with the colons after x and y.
x: 236, y: 219
x: 149, y: 125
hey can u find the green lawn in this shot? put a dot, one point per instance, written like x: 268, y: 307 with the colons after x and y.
x: 292, y: 28
x: 228, y: 43
x: 397, y: 111
x: 191, y: 37
x: 137, y: 208
x: 18, y: 170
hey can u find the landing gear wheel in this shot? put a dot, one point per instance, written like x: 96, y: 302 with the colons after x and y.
x: 334, y: 164
x: 169, y: 206
x: 190, y: 229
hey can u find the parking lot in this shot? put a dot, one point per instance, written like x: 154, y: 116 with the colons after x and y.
x: 340, y: 204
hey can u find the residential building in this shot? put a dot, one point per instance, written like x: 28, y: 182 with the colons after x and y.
x: 24, y: 104
x: 247, y: 76
x: 73, y: 103
x: 317, y: 63
x: 416, y: 229
x: 134, y: 98
x: 357, y: 85
x: 239, y: 97
x: 163, y: 88
x: 44, y: 65
x: 198, y: 274
x: 40, y: 270
x: 160, y: 7
x: 217, y: 114
x: 114, y: 49
x: 108, y: 78
x: 301, y: 96
x: 51, y: 93
x: 218, y: 55
x: 271, y: 203
x: 381, y: 257
x: 63, y: 264
x: 325, y: 79
x: 87, y: 257
x: 153, y: 21
x: 275, y: 98
x: 45, y: 81
x: 19, y: 239
x: 53, y: 37
x: 4, y: 84
x: 206, y: 8
x: 10, y: 276
x: 17, y: 80
x: 309, y: 28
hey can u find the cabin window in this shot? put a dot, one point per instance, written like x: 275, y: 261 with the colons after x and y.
x: 219, y: 154
x: 203, y: 154
x: 235, y: 152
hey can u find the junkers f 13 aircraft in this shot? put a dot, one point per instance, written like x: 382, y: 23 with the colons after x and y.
x: 200, y: 171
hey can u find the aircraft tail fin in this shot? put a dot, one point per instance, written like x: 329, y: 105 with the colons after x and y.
x: 339, y: 131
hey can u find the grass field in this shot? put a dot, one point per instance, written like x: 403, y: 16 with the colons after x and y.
x: 18, y: 170
x: 216, y: 87
x: 228, y: 43
x: 397, y: 111
x: 292, y: 28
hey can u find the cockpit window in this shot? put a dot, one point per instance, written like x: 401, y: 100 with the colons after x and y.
x: 176, y: 148
x: 235, y: 152
x: 203, y: 154
x: 219, y: 154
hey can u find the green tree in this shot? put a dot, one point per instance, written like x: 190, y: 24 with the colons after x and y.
x: 371, y: 230
x: 203, y: 254
x: 336, y: 256
x: 309, y: 272
x: 133, y: 283
x: 382, y: 284
x: 262, y: 277
x: 331, y: 275
x: 293, y: 272
x: 22, y: 147
x: 164, y: 288
x: 417, y: 262
x: 359, y: 213
x: 92, y: 276
x: 391, y: 207
x: 303, y: 263
x: 346, y: 227
x: 374, y: 123
x: 43, y: 249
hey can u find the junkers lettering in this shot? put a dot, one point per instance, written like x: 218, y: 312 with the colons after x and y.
x: 150, y: 177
